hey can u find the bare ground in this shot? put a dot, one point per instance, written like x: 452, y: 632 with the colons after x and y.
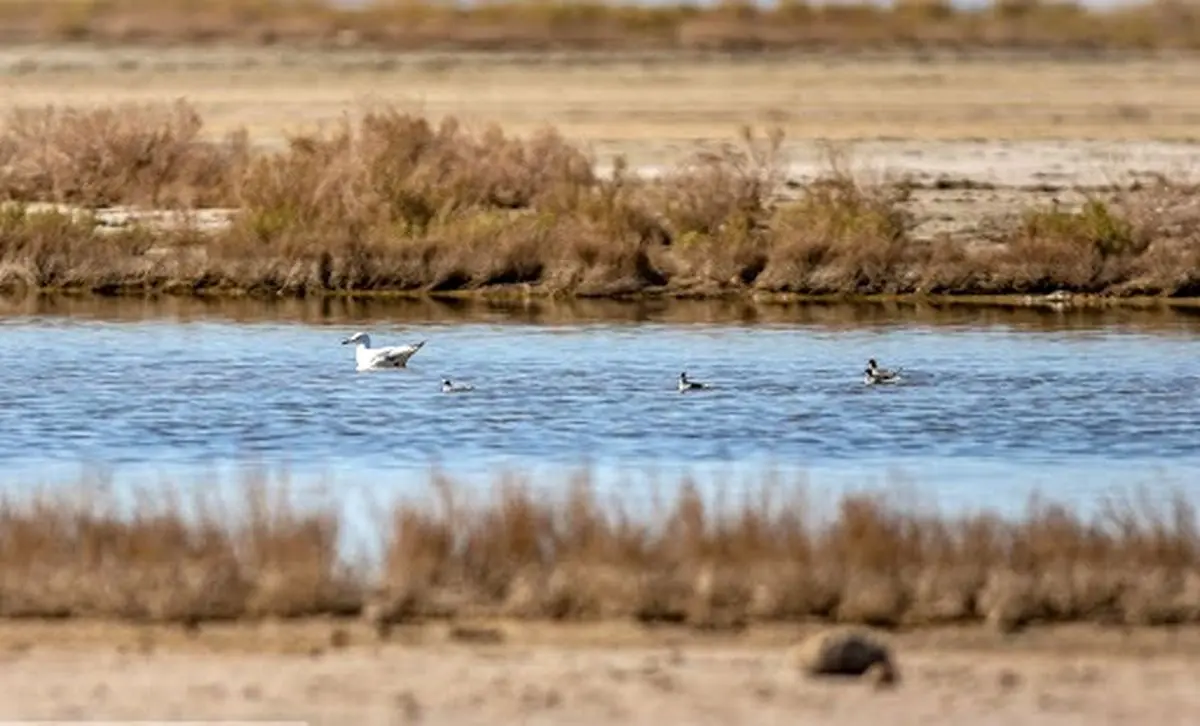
x: 324, y: 673
x: 625, y: 104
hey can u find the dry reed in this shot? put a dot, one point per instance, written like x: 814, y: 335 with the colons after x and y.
x: 563, y: 553
x: 394, y: 203
x: 591, y: 26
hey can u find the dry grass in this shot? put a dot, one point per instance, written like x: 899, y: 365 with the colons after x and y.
x: 515, y: 25
x: 564, y: 554
x: 84, y: 554
x: 148, y: 154
x: 397, y: 204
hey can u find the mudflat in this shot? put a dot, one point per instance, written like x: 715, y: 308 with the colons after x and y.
x: 324, y: 673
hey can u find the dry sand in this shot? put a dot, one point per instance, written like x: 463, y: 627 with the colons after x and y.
x: 584, y: 676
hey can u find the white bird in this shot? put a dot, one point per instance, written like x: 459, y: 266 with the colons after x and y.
x: 686, y: 385
x: 448, y: 387
x: 368, y: 358
x: 875, y: 374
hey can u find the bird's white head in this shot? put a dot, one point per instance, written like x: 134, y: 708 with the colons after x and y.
x: 358, y: 339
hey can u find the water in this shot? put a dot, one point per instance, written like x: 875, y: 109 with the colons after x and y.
x: 997, y: 402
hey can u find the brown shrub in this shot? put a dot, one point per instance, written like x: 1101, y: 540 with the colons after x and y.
x: 141, y: 154
x: 53, y: 249
x: 841, y: 237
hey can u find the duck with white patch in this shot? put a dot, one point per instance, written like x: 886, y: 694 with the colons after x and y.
x: 874, y: 374
x: 368, y: 358
x: 689, y: 385
x: 450, y: 387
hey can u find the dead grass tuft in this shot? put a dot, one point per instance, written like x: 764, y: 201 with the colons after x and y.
x: 394, y: 203
x: 132, y: 154
x: 91, y: 555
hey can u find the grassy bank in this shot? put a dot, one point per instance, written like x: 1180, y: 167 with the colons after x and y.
x: 535, y: 26
x: 565, y: 553
x: 396, y: 204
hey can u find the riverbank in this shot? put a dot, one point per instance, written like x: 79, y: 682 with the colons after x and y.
x: 396, y: 204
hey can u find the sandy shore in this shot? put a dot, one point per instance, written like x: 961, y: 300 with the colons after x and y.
x: 335, y: 675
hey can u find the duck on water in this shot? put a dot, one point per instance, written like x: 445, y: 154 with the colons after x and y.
x: 450, y: 387
x: 689, y: 385
x: 874, y: 374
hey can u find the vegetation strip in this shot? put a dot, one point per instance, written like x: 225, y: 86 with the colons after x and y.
x: 394, y: 204
x: 515, y: 26
x: 565, y: 553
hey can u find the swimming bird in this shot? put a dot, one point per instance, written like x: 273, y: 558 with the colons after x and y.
x: 686, y: 385
x: 448, y: 387
x: 875, y: 374
x: 368, y: 358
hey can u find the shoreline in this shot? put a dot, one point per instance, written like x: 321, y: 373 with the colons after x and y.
x: 1057, y: 302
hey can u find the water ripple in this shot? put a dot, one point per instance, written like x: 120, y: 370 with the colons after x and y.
x: 991, y: 396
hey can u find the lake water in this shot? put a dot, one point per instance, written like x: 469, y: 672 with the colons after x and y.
x: 997, y: 402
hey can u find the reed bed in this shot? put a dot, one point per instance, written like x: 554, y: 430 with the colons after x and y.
x: 567, y: 553
x: 394, y: 203
x: 517, y: 25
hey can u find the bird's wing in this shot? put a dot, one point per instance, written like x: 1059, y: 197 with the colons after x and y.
x: 398, y: 353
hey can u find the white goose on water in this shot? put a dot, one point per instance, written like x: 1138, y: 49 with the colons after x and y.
x: 449, y: 387
x: 688, y: 385
x: 368, y: 358
x: 874, y: 374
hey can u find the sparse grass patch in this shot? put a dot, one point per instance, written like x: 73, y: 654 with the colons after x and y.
x: 1104, y: 247
x: 1086, y: 250
x: 393, y: 203
x: 842, y: 237
x: 55, y: 249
